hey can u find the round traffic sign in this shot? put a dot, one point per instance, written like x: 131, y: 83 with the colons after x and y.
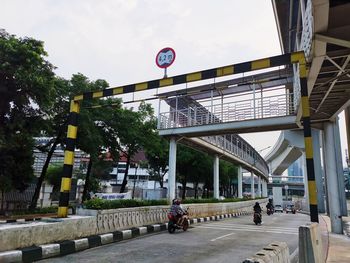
x: 165, y: 57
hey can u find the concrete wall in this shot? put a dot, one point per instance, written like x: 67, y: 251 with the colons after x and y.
x: 93, y: 222
x: 14, y: 236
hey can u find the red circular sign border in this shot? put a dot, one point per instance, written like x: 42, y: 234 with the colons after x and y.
x: 166, y: 48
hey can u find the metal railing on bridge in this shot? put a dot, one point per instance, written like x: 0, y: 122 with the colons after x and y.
x: 249, y: 109
x: 238, y: 147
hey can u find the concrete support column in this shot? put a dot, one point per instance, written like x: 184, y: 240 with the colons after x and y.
x: 318, y: 170
x: 264, y: 189
x: 252, y: 190
x: 347, y: 124
x: 324, y: 172
x: 216, y: 176
x: 172, y: 170
x: 259, y: 186
x: 340, y: 173
x: 306, y: 186
x: 239, y: 182
x: 332, y: 179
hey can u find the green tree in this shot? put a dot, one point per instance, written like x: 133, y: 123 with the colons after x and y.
x: 203, y: 171
x: 157, y: 154
x: 192, y: 166
x: 228, y: 174
x: 133, y: 129
x: 26, y: 89
x: 96, y: 136
x: 93, y: 137
x: 53, y: 176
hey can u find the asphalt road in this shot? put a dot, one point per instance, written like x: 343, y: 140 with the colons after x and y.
x: 226, y: 240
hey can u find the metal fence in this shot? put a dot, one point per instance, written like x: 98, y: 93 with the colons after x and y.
x: 249, y: 109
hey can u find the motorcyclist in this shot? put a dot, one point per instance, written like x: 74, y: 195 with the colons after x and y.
x: 257, y: 210
x: 177, y: 211
x: 269, y: 206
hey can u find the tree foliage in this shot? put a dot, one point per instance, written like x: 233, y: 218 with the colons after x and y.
x: 157, y: 154
x: 133, y: 129
x: 26, y: 89
x: 193, y: 166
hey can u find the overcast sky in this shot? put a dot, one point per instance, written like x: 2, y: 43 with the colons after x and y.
x: 117, y: 40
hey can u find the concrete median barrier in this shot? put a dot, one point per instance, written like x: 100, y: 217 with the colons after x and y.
x: 310, y: 244
x: 276, y: 252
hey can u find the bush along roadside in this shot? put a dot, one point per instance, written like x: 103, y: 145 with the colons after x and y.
x: 102, y: 204
x: 43, y: 210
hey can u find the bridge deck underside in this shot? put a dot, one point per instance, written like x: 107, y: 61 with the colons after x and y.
x: 331, y: 92
x: 248, y: 126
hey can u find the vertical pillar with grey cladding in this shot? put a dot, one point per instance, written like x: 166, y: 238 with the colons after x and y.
x: 306, y: 186
x: 172, y: 169
x: 239, y: 182
x: 252, y: 190
x: 347, y: 124
x: 264, y: 189
x: 216, y: 176
x: 318, y: 170
x: 340, y: 172
x: 332, y: 179
x: 259, y: 186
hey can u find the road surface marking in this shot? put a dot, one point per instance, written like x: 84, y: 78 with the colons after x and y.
x: 261, y: 230
x: 255, y: 227
x: 222, y: 237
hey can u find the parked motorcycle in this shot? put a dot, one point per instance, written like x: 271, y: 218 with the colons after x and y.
x: 257, y: 218
x: 173, y: 223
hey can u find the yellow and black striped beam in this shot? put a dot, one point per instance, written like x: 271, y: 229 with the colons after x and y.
x: 275, y: 61
x: 308, y: 140
x: 281, y: 60
x: 66, y: 178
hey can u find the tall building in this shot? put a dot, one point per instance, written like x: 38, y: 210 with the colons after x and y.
x: 296, y: 169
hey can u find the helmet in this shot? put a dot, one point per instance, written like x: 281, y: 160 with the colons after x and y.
x: 174, y: 201
x: 257, y: 203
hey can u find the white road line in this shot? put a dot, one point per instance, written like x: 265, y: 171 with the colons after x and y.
x: 255, y: 227
x: 222, y: 237
x: 251, y: 230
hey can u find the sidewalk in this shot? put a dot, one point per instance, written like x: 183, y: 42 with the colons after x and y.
x: 338, y: 247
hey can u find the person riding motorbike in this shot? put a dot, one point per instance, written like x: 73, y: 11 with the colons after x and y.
x: 257, y: 213
x: 177, y: 211
x: 257, y: 208
x: 269, y: 208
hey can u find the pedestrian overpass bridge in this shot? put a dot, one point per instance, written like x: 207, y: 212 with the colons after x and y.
x: 263, y: 95
x: 295, y: 90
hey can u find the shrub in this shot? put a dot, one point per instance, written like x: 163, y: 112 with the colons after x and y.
x: 100, y: 204
x: 213, y: 200
x: 44, y: 210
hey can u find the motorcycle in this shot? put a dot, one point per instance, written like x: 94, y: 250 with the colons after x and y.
x: 269, y: 211
x: 173, y: 223
x: 257, y: 218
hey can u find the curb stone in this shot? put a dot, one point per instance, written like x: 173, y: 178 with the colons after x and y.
x: 33, y: 253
